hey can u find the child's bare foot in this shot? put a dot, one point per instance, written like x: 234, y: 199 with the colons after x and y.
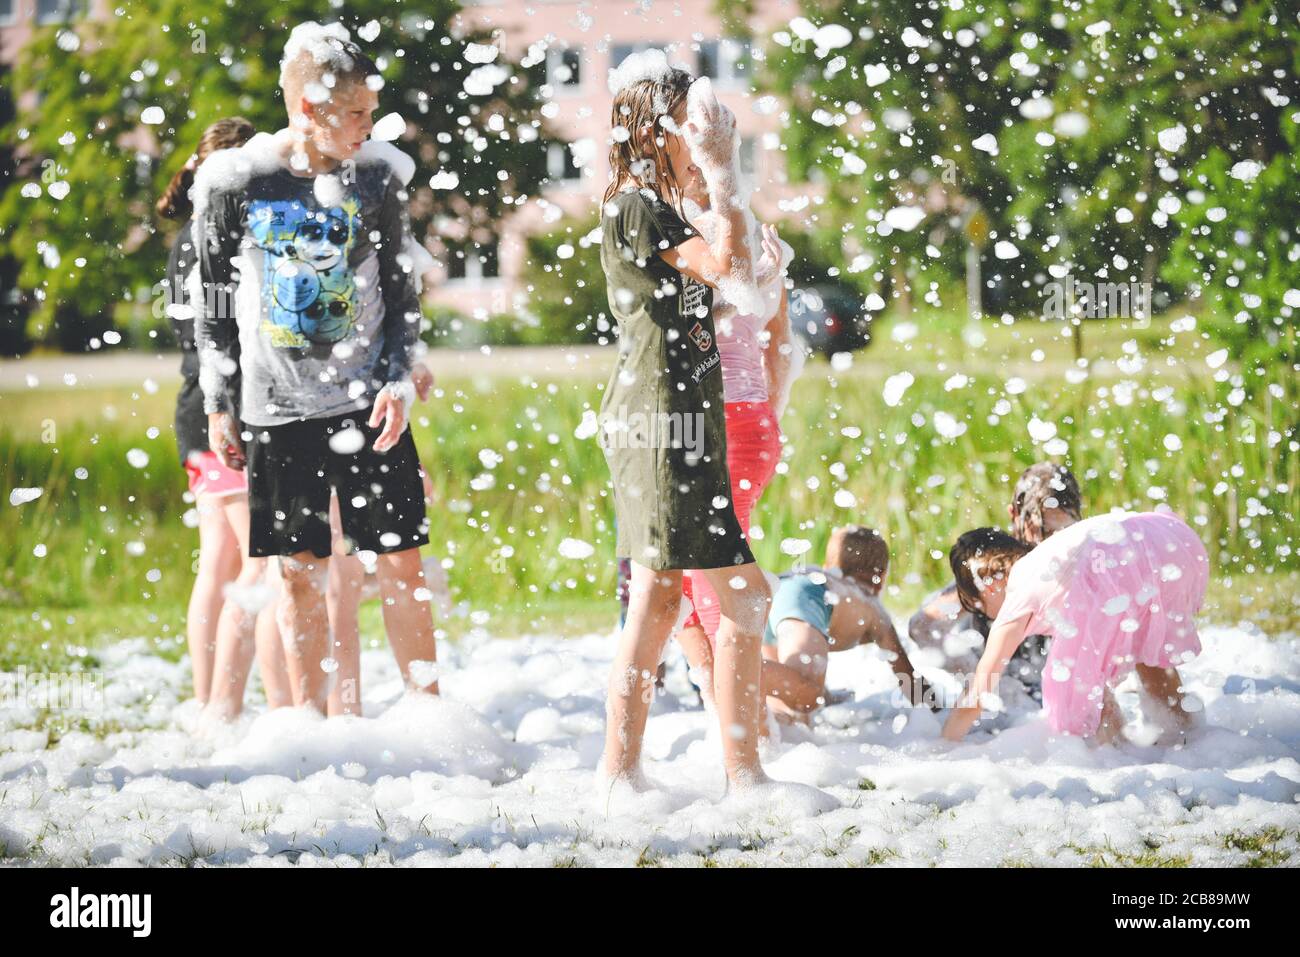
x: 800, y: 799
x: 1111, y: 725
x: 630, y: 792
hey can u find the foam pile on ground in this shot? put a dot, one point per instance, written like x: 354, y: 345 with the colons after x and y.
x: 501, y: 770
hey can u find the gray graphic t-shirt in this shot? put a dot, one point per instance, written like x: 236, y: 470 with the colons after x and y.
x: 308, y: 273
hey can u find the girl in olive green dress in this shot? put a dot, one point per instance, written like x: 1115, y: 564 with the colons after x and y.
x: 663, y: 427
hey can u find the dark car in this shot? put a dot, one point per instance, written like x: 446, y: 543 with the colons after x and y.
x: 829, y: 319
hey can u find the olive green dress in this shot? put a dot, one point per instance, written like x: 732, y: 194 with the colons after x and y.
x: 663, y: 421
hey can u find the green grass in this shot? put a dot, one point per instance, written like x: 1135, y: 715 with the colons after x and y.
x: 1261, y: 846
x: 1109, y: 856
x: 118, y: 557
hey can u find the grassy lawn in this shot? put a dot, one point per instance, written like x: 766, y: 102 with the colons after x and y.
x: 107, y: 543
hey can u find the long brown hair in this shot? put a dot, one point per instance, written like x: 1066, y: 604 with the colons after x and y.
x: 642, y: 157
x: 1042, y: 486
x: 983, y: 553
x: 224, y: 134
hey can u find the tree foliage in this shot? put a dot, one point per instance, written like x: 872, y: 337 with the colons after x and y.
x: 82, y: 224
x: 1048, y: 119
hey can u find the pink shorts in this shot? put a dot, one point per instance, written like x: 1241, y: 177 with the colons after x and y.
x: 209, y: 477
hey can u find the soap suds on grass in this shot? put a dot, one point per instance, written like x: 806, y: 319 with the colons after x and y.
x: 501, y: 771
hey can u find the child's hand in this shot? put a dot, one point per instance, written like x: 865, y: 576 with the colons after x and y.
x: 224, y: 440
x: 428, y: 486
x: 710, y: 127
x: 422, y: 379
x: 391, y: 411
x: 768, y: 266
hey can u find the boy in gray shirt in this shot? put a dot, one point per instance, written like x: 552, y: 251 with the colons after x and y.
x: 300, y: 240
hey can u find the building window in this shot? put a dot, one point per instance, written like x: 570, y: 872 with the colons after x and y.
x: 564, y: 67
x: 56, y: 11
x: 473, y: 262
x: 561, y: 166
x: 725, y: 61
x: 7, y: 12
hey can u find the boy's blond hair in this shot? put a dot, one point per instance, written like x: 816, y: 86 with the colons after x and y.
x: 320, y: 59
x: 860, y: 553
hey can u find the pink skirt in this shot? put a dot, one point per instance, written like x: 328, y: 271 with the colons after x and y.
x: 1131, y: 599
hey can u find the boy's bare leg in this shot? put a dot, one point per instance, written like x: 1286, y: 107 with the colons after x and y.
x: 408, y: 619
x: 219, y: 561
x: 738, y: 666
x: 797, y: 679
x: 304, y: 625
x: 699, y: 655
x: 270, y: 649
x: 653, y: 600
x: 1164, y: 686
x: 343, y: 599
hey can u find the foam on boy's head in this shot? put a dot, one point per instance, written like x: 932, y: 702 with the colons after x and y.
x: 860, y: 553
x: 319, y: 58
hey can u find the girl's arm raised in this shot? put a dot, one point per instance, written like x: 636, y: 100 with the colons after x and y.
x: 1003, y: 641
x: 726, y: 263
x: 712, y: 264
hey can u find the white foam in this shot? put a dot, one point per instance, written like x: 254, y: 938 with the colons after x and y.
x: 322, y: 41
x: 652, y: 65
x: 503, y: 771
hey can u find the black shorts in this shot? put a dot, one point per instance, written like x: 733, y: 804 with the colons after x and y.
x: 293, y: 467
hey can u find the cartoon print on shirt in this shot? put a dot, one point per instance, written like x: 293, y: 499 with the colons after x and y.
x: 309, y: 288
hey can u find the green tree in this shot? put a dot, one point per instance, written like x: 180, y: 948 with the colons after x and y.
x: 82, y: 225
x: 565, y: 285
x: 13, y: 309
x: 1045, y: 118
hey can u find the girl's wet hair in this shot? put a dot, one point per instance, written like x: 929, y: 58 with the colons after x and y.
x: 642, y: 157
x: 986, y: 553
x: 1042, y: 486
x: 224, y: 134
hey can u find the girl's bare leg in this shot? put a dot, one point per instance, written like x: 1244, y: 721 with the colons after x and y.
x: 653, y: 600
x: 219, y: 560
x: 738, y: 668
x: 270, y: 649
x: 1112, y: 719
x: 235, y: 627
x: 699, y: 655
x: 1164, y: 686
x: 343, y: 600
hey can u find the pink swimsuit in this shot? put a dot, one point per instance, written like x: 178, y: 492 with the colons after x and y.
x: 1113, y: 591
x: 753, y: 440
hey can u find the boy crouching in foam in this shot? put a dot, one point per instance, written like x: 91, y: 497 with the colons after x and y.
x: 835, y: 608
